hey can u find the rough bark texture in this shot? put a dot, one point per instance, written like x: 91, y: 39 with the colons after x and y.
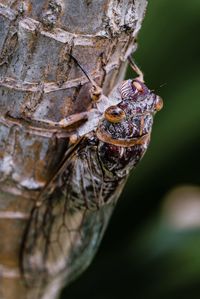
x: 38, y: 80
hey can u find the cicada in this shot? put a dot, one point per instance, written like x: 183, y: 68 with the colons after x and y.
x: 72, y: 211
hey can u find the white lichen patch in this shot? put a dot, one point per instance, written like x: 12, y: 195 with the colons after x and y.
x: 125, y: 15
x: 140, y: 9
x: 6, y: 165
x: 31, y: 184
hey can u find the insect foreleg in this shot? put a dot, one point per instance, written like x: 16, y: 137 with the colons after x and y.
x: 96, y: 91
x: 65, y: 122
x: 136, y: 69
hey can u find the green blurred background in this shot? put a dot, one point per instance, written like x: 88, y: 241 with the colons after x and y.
x: 152, y: 246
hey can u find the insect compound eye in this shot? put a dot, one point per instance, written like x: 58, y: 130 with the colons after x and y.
x: 158, y: 103
x: 138, y: 85
x: 114, y: 114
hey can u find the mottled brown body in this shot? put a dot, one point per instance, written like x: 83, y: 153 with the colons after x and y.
x: 88, y: 183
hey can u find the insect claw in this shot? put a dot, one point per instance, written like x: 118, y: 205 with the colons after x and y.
x: 73, y: 139
x: 73, y: 119
x: 95, y: 93
x: 38, y: 204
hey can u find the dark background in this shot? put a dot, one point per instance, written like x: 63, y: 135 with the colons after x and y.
x: 152, y: 246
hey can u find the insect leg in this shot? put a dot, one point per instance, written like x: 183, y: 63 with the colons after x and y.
x: 136, y: 69
x: 66, y: 122
x: 63, y: 123
x: 96, y: 90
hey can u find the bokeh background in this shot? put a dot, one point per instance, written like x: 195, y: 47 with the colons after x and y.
x: 152, y: 246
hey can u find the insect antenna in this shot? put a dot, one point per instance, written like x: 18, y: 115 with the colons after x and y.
x: 162, y: 85
x: 136, y: 69
x: 96, y: 90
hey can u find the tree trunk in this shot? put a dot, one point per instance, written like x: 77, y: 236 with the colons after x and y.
x: 39, y: 80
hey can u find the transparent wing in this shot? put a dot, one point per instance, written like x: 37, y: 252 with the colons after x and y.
x: 64, y: 232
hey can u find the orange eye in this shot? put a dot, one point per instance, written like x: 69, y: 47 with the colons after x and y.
x: 137, y: 85
x: 114, y: 114
x: 159, y: 103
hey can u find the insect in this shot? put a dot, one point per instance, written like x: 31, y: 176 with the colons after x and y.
x: 72, y: 211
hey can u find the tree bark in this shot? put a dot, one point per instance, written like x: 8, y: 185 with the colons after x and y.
x: 39, y: 80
